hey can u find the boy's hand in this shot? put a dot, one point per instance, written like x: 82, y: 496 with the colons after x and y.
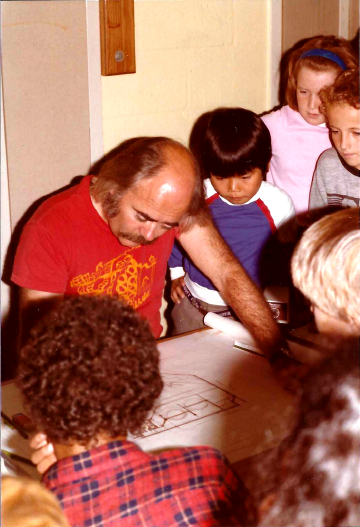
x: 44, y: 456
x: 177, y: 292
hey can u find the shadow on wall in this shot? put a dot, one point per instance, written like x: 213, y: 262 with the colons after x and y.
x: 283, y: 76
x: 10, y: 322
x: 355, y: 42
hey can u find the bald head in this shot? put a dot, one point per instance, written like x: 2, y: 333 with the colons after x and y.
x: 177, y: 179
x: 146, y: 158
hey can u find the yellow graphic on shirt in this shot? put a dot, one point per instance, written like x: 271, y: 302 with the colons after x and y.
x: 122, y: 276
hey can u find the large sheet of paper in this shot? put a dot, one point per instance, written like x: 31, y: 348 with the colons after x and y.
x: 214, y: 395
x: 217, y: 395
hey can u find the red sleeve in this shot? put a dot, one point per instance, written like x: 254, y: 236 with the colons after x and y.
x: 177, y: 232
x: 39, y: 262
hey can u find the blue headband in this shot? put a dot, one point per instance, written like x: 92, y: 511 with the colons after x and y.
x: 319, y: 52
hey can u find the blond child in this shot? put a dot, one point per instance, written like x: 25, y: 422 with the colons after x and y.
x: 325, y: 267
x: 336, y: 181
x: 27, y: 503
x: 298, y: 131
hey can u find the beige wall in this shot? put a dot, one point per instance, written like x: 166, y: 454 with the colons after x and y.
x: 326, y: 17
x: 313, y: 18
x: 46, y: 106
x: 354, y: 20
x: 191, y: 56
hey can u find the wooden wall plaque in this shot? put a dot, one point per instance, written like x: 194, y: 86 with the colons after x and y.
x: 117, y: 32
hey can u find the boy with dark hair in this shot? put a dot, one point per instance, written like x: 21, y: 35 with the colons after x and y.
x: 234, y: 153
x: 336, y: 180
x: 89, y: 375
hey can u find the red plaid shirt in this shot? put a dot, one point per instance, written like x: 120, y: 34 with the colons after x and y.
x: 120, y: 485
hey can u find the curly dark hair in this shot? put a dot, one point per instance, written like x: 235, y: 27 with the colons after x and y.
x: 345, y: 90
x: 319, y: 475
x: 90, y: 367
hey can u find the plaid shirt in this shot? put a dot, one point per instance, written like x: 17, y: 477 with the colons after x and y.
x: 120, y: 485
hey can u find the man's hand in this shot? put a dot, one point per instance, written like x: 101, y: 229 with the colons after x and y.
x: 44, y: 456
x: 177, y: 292
x: 214, y: 258
x: 288, y: 371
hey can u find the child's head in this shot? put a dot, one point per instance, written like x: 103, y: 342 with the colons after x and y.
x: 90, y: 371
x: 341, y: 107
x: 311, y: 68
x: 27, y: 503
x: 235, y: 153
x: 318, y: 470
x: 326, y: 268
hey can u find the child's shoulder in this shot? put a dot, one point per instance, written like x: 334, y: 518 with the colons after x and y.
x: 278, y: 202
x: 204, y: 454
x: 209, y: 189
x: 279, y: 117
x: 270, y: 191
x: 329, y: 157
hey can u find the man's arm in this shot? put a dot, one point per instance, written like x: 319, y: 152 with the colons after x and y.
x: 214, y: 258
x: 33, y: 306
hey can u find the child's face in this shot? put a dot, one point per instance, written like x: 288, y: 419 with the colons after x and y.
x: 328, y: 325
x: 309, y: 85
x: 238, y: 189
x: 345, y: 132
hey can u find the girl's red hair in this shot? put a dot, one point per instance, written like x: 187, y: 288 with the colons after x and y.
x: 338, y: 45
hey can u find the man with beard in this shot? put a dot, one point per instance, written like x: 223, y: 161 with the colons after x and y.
x: 113, y: 233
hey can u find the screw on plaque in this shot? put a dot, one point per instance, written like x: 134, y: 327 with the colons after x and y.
x: 119, y: 56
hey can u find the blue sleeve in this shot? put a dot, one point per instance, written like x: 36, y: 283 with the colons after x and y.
x: 176, y: 256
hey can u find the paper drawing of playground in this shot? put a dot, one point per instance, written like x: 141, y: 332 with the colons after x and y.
x: 187, y: 398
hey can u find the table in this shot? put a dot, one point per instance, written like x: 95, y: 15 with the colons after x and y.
x: 214, y: 395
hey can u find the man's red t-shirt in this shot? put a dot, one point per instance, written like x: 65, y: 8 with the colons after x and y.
x: 66, y: 247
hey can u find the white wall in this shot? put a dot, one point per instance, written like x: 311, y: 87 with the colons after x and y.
x: 45, y: 90
x: 191, y: 56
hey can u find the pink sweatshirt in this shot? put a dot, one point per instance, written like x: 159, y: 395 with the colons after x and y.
x: 296, y: 147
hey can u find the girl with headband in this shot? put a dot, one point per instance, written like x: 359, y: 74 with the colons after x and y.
x: 298, y: 130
